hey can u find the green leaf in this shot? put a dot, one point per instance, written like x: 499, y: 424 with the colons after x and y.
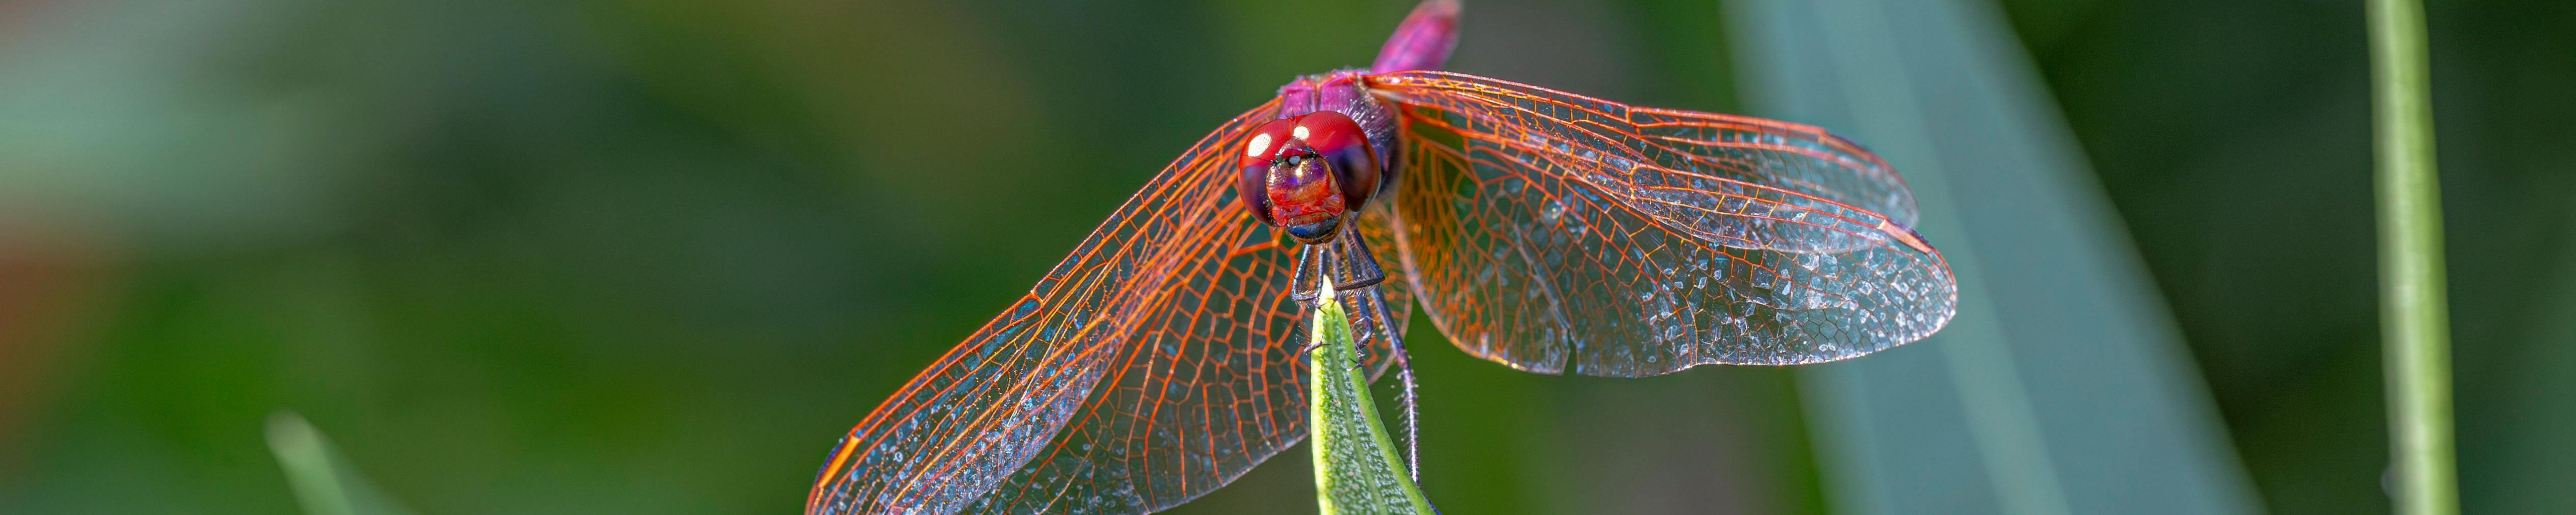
x: 323, y: 482
x: 1357, y: 470
x: 2062, y: 386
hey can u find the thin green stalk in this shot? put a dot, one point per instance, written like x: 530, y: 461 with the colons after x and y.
x: 321, y: 479
x: 306, y: 457
x: 1357, y: 470
x: 2414, y: 315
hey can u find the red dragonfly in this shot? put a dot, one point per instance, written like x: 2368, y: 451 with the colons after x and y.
x: 1547, y: 231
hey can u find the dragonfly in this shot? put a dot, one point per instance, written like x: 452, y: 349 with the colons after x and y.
x: 1546, y: 231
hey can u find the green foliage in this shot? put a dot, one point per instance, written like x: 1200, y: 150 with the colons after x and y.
x: 1357, y: 468
x: 323, y: 482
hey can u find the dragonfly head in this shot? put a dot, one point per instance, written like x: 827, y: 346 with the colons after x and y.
x: 1305, y: 174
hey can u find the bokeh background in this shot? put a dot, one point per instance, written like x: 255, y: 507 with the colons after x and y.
x: 655, y: 256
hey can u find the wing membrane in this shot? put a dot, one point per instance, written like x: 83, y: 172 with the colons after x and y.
x: 1550, y: 231
x: 1156, y: 363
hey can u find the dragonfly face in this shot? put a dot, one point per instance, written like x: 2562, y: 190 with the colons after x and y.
x: 1321, y: 161
x: 1305, y: 174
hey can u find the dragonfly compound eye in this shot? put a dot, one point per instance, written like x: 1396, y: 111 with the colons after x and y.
x: 1345, y: 149
x: 1252, y: 180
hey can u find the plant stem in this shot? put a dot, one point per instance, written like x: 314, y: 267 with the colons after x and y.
x: 2415, y: 324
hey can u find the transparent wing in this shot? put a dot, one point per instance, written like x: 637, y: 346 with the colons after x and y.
x: 1553, y: 232
x: 1156, y: 363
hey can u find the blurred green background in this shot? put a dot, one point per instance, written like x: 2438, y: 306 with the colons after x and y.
x: 655, y: 256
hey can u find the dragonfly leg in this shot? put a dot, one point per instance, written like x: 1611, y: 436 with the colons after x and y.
x: 1302, y: 285
x: 1361, y: 272
x: 1305, y: 286
x: 1404, y: 377
x: 1359, y: 265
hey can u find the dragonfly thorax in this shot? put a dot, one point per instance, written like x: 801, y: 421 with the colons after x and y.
x: 1305, y: 174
